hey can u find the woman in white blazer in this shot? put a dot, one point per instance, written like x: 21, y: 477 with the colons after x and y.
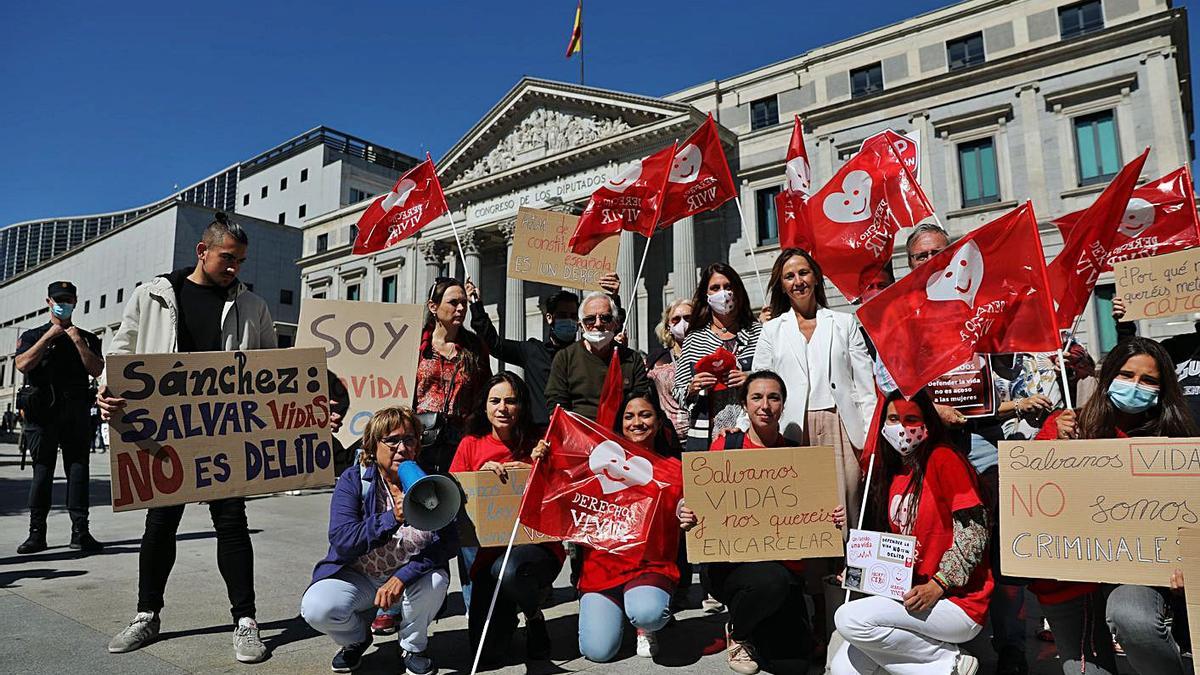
x: 822, y: 357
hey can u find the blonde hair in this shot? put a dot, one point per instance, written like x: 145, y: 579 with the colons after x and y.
x: 381, y: 423
x: 663, y: 329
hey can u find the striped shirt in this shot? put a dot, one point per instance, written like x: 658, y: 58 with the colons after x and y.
x: 708, y: 409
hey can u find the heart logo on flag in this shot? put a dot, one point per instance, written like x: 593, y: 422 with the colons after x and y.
x: 398, y: 195
x: 1139, y: 214
x: 799, y: 179
x: 960, y: 279
x: 616, y: 470
x: 851, y: 204
x: 718, y: 363
x: 686, y: 165
x: 626, y: 178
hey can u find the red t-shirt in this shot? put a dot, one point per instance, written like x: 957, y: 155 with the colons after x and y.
x: 950, y: 485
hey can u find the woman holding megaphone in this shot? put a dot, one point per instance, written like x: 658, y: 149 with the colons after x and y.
x: 376, y: 558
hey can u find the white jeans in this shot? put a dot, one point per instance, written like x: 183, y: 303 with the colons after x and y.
x: 343, y: 607
x: 883, y: 637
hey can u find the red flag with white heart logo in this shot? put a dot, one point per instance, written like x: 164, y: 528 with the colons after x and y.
x: 1074, y: 271
x: 415, y: 201
x: 1159, y: 218
x: 598, y: 489
x: 851, y: 223
x: 699, y: 179
x: 630, y: 201
x: 987, y: 293
x: 906, y: 146
x: 789, y: 203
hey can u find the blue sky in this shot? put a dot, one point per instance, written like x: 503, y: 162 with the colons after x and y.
x: 108, y: 106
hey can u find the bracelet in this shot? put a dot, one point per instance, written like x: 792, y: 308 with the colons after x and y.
x: 937, y: 579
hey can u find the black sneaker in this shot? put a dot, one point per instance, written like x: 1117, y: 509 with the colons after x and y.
x: 350, y: 657
x: 417, y: 663
x: 34, y: 544
x: 537, y: 639
x: 84, y: 541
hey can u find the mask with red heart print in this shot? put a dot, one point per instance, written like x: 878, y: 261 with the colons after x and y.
x: 905, y: 439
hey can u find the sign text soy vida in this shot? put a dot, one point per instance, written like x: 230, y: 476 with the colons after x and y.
x: 211, y: 425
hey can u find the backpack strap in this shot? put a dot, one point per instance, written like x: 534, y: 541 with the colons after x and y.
x: 734, y: 440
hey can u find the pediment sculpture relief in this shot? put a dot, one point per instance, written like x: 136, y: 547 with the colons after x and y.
x: 544, y: 132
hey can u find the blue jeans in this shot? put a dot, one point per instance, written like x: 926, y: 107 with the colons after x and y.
x: 601, y: 618
x: 1137, y: 617
x: 342, y: 606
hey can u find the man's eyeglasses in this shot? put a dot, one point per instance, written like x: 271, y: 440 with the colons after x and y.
x: 926, y: 255
x: 396, y: 441
x: 593, y: 319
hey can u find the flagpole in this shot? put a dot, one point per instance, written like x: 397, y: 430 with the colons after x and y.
x: 461, y: 256
x: 862, y: 511
x: 1062, y: 368
x: 750, y: 247
x: 641, y: 268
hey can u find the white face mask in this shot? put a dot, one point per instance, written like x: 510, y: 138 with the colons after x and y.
x: 598, y: 338
x: 904, y: 440
x: 721, y: 302
x: 679, y: 330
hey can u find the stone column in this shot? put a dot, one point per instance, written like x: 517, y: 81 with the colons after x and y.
x: 514, y: 296
x: 628, y: 258
x: 1035, y: 164
x: 470, y: 244
x: 1163, y: 87
x: 434, y: 253
x: 683, y: 243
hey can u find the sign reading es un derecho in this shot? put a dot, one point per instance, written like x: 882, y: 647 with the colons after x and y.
x: 211, y: 425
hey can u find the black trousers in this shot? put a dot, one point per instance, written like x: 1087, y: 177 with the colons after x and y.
x: 766, y: 606
x: 68, y: 427
x: 530, y: 573
x: 235, y: 555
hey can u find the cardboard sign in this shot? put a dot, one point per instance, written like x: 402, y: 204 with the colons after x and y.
x: 540, y: 252
x: 1104, y: 511
x: 1189, y: 546
x: 880, y: 563
x: 968, y: 388
x: 1161, y: 285
x: 209, y: 425
x: 753, y: 505
x: 372, y: 347
x: 491, y: 506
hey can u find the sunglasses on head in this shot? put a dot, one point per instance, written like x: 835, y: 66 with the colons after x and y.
x: 445, y: 282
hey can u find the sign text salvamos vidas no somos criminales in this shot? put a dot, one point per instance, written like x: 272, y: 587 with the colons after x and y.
x: 567, y: 189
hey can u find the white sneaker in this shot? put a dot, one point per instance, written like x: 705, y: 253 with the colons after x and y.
x: 965, y: 664
x: 647, y: 644
x: 247, y: 646
x: 711, y: 605
x: 140, y: 632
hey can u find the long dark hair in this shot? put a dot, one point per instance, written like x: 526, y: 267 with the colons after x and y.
x: 472, y: 346
x: 666, y: 441
x: 702, y: 313
x: 524, y: 430
x: 780, y: 303
x: 1171, y: 417
x: 889, y: 463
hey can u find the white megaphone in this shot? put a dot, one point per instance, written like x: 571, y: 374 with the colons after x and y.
x: 430, y: 502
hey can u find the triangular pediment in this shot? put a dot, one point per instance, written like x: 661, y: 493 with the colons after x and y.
x: 540, y: 119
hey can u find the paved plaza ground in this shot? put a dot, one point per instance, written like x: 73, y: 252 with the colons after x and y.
x: 58, y: 609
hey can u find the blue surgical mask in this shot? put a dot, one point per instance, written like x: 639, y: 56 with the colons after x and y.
x: 564, y: 330
x: 1132, y: 398
x: 62, y: 310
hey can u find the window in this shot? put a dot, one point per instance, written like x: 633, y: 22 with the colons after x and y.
x: 286, y: 341
x: 322, y: 242
x: 282, y: 217
x: 866, y: 80
x: 357, y: 195
x: 302, y: 211
x: 768, y: 220
x: 1080, y: 19
x: 1096, y: 150
x: 120, y: 295
x: 303, y: 175
x: 965, y: 52
x: 103, y: 301
x: 352, y: 292
x: 764, y: 112
x: 320, y: 295
x: 285, y: 296
x: 389, y: 289
x: 353, y: 233
x: 1107, y: 327
x: 87, y: 306
x: 246, y: 199
x: 264, y: 192
x: 283, y: 184
x: 977, y: 172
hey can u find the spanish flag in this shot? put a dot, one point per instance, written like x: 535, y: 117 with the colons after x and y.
x: 576, y: 43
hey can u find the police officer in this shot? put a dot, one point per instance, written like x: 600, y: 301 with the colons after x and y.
x: 58, y: 360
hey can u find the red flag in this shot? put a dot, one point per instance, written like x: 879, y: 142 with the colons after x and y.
x: 851, y: 223
x: 699, y: 179
x: 611, y: 394
x: 1159, y: 218
x: 789, y: 203
x: 907, y: 147
x: 600, y: 490
x: 415, y: 201
x: 1075, y: 269
x: 629, y: 201
x: 986, y: 293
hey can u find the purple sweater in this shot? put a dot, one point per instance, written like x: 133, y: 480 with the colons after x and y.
x: 355, y: 527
